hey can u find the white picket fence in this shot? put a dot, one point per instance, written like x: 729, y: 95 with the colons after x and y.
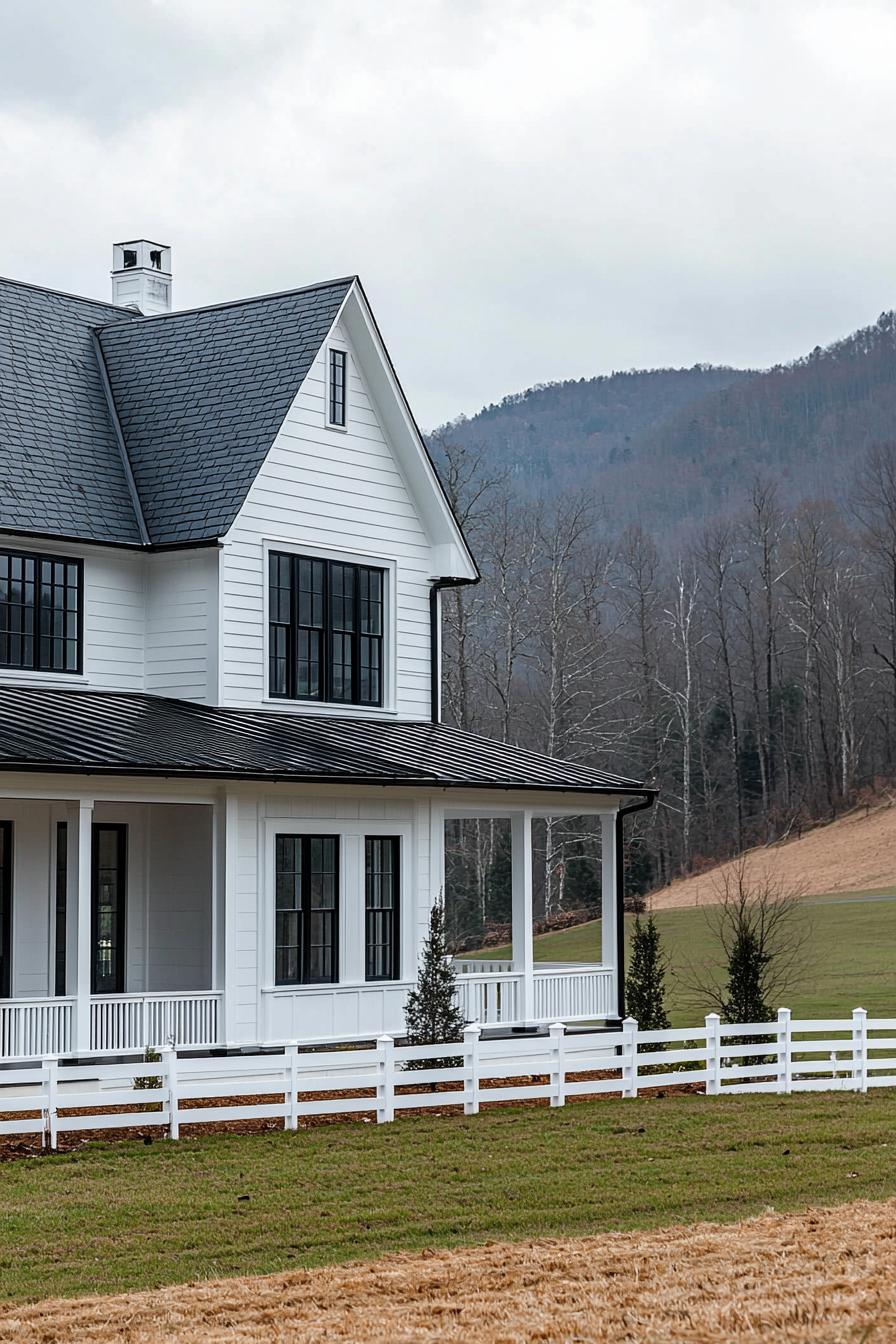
x: 783, y: 1056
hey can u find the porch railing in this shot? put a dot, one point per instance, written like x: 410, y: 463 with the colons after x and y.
x: 36, y: 1027
x: 491, y: 992
x: 138, y: 1021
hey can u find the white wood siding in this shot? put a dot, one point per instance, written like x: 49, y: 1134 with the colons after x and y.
x: 327, y: 489
x: 114, y: 618
x: 181, y: 625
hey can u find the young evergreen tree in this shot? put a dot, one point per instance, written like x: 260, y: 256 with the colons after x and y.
x: 432, y: 1016
x: 645, y: 991
x: 747, y: 966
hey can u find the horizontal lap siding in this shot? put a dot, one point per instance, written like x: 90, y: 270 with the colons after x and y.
x: 324, y: 488
x: 181, y: 647
x: 114, y: 620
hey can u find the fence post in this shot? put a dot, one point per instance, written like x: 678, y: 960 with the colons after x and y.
x: 860, y: 1049
x: 629, y: 1057
x: 785, y: 1052
x: 169, y: 1061
x: 385, y: 1089
x: 291, y: 1118
x: 557, y: 1032
x: 472, y: 1034
x: 51, y: 1117
x: 713, y: 1055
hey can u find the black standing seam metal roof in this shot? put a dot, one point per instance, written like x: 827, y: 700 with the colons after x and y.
x: 94, y: 732
x: 200, y: 396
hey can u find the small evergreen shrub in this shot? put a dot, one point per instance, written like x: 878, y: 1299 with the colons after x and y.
x: 645, y: 990
x: 432, y: 1016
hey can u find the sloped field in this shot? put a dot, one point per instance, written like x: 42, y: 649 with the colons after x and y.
x: 855, y: 853
x: 827, y: 1276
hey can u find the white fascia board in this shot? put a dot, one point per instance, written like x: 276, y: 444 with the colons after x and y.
x: 451, y: 554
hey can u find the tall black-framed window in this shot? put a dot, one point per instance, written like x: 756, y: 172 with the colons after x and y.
x: 325, y: 637
x: 336, y: 398
x: 109, y: 878
x: 306, y: 947
x: 41, y: 602
x: 61, y: 905
x: 5, y: 909
x: 382, y: 892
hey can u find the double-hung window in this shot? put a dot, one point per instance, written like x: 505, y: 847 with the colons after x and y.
x: 307, y: 909
x: 40, y: 612
x: 382, y: 889
x: 325, y: 633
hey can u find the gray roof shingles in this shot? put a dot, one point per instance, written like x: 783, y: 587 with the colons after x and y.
x: 61, y: 472
x: 200, y: 396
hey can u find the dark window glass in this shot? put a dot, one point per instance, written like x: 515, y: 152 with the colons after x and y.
x: 337, y: 387
x: 61, y: 902
x: 325, y: 630
x: 5, y: 908
x: 109, y: 897
x: 40, y: 612
x: 307, y: 909
x: 382, y: 889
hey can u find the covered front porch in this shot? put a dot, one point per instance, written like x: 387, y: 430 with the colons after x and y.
x: 108, y: 925
x: 519, y: 991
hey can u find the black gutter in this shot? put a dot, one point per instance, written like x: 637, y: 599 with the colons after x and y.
x: 435, y: 641
x: 647, y: 801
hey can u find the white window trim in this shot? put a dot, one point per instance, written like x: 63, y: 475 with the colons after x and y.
x: 351, y: 925
x: 335, y: 709
x: 11, y: 676
x: 344, y: 350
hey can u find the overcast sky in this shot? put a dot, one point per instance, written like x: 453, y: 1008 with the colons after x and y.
x: 529, y: 190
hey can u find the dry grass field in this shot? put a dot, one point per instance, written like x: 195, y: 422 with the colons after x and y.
x: 827, y: 1276
x: 855, y: 853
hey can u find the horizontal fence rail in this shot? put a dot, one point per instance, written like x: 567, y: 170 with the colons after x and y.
x: 49, y: 1097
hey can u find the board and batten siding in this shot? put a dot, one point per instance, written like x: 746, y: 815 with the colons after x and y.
x: 328, y: 490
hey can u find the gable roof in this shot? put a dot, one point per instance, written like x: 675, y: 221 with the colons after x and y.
x: 61, y: 470
x: 99, y: 732
x: 200, y: 396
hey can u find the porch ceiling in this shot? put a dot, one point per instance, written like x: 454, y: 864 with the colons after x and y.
x: 76, y: 731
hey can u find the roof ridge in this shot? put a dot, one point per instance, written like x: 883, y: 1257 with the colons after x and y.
x: 66, y: 294
x: 140, y: 318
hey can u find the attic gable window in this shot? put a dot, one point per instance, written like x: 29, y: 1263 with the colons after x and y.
x: 326, y: 621
x: 40, y: 612
x: 336, y: 394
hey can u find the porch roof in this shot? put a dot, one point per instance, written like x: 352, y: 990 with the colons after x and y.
x: 114, y: 733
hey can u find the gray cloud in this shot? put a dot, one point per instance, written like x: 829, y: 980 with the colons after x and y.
x: 528, y: 191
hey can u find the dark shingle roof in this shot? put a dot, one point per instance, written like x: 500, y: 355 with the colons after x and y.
x: 115, y: 733
x: 61, y: 472
x: 200, y: 396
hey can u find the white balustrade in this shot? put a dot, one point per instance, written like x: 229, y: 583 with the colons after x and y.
x: 138, y: 1021
x: 490, y: 993
x: 492, y: 1000
x: 576, y: 993
x: 36, y: 1027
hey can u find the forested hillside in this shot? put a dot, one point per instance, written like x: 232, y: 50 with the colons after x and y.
x: 694, y: 583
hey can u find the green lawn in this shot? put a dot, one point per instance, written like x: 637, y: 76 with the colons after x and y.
x: 849, y: 959
x: 118, y: 1216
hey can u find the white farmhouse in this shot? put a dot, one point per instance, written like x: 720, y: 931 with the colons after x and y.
x: 223, y: 777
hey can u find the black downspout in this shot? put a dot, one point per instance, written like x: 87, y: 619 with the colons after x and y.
x: 435, y: 661
x: 647, y: 801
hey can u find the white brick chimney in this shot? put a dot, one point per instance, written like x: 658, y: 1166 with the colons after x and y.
x: 141, y: 276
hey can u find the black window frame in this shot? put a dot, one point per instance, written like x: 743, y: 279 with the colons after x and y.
x: 6, y: 888
x: 60, y: 931
x: 307, y: 619
x: 120, y: 946
x: 337, y: 389
x: 306, y: 911
x: 390, y: 917
x: 37, y: 635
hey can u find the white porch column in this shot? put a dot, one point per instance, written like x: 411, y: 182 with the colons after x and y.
x: 608, y: 919
x: 227, y: 914
x: 521, y: 909
x: 84, y: 921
